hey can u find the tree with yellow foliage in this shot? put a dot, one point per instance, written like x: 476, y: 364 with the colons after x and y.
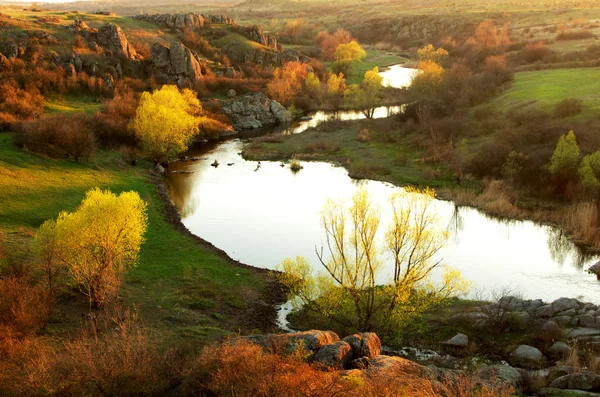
x: 429, y: 78
x: 346, y: 54
x: 368, y: 96
x: 336, y: 87
x: 429, y: 53
x: 166, y: 121
x: 98, y: 242
x: 358, y: 290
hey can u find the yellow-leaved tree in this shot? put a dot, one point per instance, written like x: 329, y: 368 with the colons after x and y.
x: 369, y: 94
x: 98, y: 242
x: 346, y: 54
x: 357, y: 290
x: 166, y: 120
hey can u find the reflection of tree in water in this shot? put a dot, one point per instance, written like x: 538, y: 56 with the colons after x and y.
x: 180, y: 189
x: 456, y: 223
x: 561, y: 248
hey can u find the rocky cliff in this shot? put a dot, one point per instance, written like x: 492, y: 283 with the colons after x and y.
x: 180, y: 21
x: 110, y: 36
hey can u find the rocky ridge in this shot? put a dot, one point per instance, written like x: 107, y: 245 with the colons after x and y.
x: 255, y: 110
x: 181, y: 21
x: 175, y: 64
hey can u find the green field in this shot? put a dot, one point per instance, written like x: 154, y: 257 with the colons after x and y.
x: 179, y: 288
x: 544, y: 89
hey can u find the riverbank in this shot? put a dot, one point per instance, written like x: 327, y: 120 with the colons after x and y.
x: 182, y: 289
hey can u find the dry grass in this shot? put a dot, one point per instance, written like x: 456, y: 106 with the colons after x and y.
x: 581, y: 221
x: 496, y: 198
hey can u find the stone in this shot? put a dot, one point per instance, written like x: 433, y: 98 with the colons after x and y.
x: 558, y: 371
x: 112, y: 37
x: 387, y: 366
x: 562, y: 304
x: 533, y: 305
x: 528, y: 356
x: 569, y: 312
x: 545, y: 311
x: 359, y: 363
x: 366, y: 344
x: 522, y: 317
x: 511, y: 303
x: 587, y: 320
x: 583, y: 332
x: 231, y: 94
x: 308, y: 341
x: 558, y: 350
x: 550, y: 327
x: 175, y: 62
x: 336, y: 354
x: 458, y: 340
x: 586, y: 380
x: 252, y: 111
x: 282, y: 115
x: 504, y: 373
x: 595, y: 269
x: 181, y: 21
x: 159, y: 168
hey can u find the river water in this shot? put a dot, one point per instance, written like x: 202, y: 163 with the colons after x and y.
x: 263, y: 214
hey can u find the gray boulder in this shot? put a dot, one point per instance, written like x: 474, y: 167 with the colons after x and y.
x: 504, y: 373
x: 282, y: 115
x: 253, y: 111
x: 336, y: 354
x: 558, y: 371
x: 528, y: 356
x: 562, y: 304
x: 366, y: 344
x: 545, y: 311
x: 550, y: 327
x: 231, y: 94
x: 459, y: 340
x: 586, y: 380
x: 562, y: 320
x: 175, y: 63
x: 586, y: 320
x: 559, y: 350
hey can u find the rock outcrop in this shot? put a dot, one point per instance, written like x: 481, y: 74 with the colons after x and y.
x: 181, y: 21
x: 112, y: 37
x: 256, y: 34
x: 252, y: 111
x: 177, y: 64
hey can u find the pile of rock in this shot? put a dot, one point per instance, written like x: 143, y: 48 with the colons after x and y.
x: 181, y: 21
x: 255, y: 110
x: 110, y: 36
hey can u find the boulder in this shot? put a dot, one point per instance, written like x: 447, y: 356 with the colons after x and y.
x: 558, y: 371
x: 309, y: 341
x: 583, y: 332
x: 550, y: 327
x: 112, y: 37
x: 459, y: 340
x: 282, y: 115
x: 562, y: 320
x: 558, y: 350
x: 252, y: 111
x: 528, y: 356
x: 586, y: 380
x: 175, y: 63
x: 503, y: 373
x: 570, y: 313
x: 366, y: 344
x: 545, y: 311
x: 511, y: 303
x: 586, y: 320
x: 336, y: 354
x: 231, y: 94
x: 595, y: 269
x: 387, y: 366
x: 562, y: 304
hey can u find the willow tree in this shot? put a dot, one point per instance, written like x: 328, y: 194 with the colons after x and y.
x: 354, y: 289
x: 166, y: 120
x: 98, y: 242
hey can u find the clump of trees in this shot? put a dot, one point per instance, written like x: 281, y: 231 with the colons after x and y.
x: 288, y: 81
x: 368, y: 95
x: 345, y: 55
x: 351, y: 290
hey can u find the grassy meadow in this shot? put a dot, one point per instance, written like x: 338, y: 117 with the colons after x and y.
x: 179, y: 288
x: 545, y: 88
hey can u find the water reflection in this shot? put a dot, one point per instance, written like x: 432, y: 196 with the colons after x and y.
x: 261, y: 217
x: 397, y: 76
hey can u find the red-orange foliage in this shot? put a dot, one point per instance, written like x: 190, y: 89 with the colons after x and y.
x: 111, y: 123
x: 59, y: 136
x: 330, y: 42
x: 287, y: 82
x: 18, y: 102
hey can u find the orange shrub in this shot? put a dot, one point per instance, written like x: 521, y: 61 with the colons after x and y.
x: 22, y: 307
x: 59, y: 136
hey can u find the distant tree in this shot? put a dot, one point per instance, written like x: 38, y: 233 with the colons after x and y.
x: 489, y: 36
x: 330, y: 42
x: 287, y: 82
x: 336, y: 87
x: 460, y: 159
x: 565, y: 159
x: 496, y: 66
x: 166, y: 120
x: 313, y: 85
x: 512, y: 166
x: 350, y: 290
x: 429, y: 53
x: 429, y: 80
x: 97, y: 243
x: 589, y: 172
x: 293, y: 28
x: 346, y: 54
x: 368, y: 96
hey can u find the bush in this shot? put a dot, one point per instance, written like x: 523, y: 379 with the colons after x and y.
x: 59, y: 136
x: 23, y: 307
x: 568, y: 107
x: 111, y: 123
x: 364, y: 135
x: 574, y: 35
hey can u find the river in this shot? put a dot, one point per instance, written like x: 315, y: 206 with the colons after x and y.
x: 262, y: 215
